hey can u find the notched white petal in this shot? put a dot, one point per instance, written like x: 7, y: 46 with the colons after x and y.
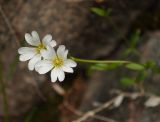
x: 43, y: 66
x: 67, y: 69
x: 53, y: 43
x: 26, y: 56
x: 47, y: 39
x: 33, y: 61
x: 30, y: 40
x: 36, y: 38
x: 57, y: 73
x: 61, y: 51
x: 65, y: 54
x: 61, y: 74
x: 54, y: 75
x: 23, y: 50
x: 49, y: 53
x: 45, y: 54
x: 70, y: 63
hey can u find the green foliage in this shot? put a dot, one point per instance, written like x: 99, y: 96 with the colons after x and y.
x: 101, y: 12
x: 126, y: 81
x: 135, y: 37
x: 133, y: 40
x: 103, y: 66
x: 135, y: 66
x: 137, y: 78
x: 150, y: 64
x: 141, y: 76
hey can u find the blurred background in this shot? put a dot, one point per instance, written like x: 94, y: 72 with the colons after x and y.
x: 90, y: 29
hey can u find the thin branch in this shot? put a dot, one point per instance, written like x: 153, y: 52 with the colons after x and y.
x: 79, y: 113
x: 58, y: 89
x: 110, y: 103
x: 105, y: 119
x: 92, y: 113
x: 70, y: 108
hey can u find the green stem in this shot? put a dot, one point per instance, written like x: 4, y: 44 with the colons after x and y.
x: 100, y: 61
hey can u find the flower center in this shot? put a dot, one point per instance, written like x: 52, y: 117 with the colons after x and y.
x: 58, y: 62
x: 39, y: 47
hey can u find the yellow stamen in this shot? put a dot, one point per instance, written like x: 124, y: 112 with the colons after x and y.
x: 39, y: 47
x: 58, y: 62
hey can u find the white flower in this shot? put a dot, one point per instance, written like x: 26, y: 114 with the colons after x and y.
x: 34, y: 53
x: 57, y: 62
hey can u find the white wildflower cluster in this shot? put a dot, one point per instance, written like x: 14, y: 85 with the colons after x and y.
x: 43, y: 57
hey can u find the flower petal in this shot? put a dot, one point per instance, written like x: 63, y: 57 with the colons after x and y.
x: 23, y: 50
x: 53, y: 43
x: 33, y: 61
x: 26, y: 56
x: 36, y: 38
x: 61, y: 75
x: 29, y: 39
x: 65, y: 54
x: 67, y: 69
x: 47, y: 39
x: 49, y: 53
x: 61, y: 52
x: 43, y: 66
x: 54, y: 75
x: 57, y: 73
x: 70, y: 63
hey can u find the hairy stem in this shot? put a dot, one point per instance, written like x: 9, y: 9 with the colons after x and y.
x: 100, y: 61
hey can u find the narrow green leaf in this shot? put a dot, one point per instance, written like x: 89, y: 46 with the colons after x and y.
x: 127, y: 81
x: 101, y: 11
x: 141, y: 76
x: 150, y: 64
x: 135, y: 37
x: 104, y: 66
x: 135, y: 66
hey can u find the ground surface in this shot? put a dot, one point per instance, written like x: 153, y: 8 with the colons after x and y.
x: 31, y: 97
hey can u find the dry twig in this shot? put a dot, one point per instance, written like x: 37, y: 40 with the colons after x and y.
x: 58, y: 89
x: 92, y: 113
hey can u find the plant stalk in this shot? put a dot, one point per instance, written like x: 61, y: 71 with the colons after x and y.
x: 101, y: 61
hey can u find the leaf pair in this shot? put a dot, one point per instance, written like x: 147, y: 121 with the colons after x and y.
x: 135, y: 66
x: 101, y: 12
